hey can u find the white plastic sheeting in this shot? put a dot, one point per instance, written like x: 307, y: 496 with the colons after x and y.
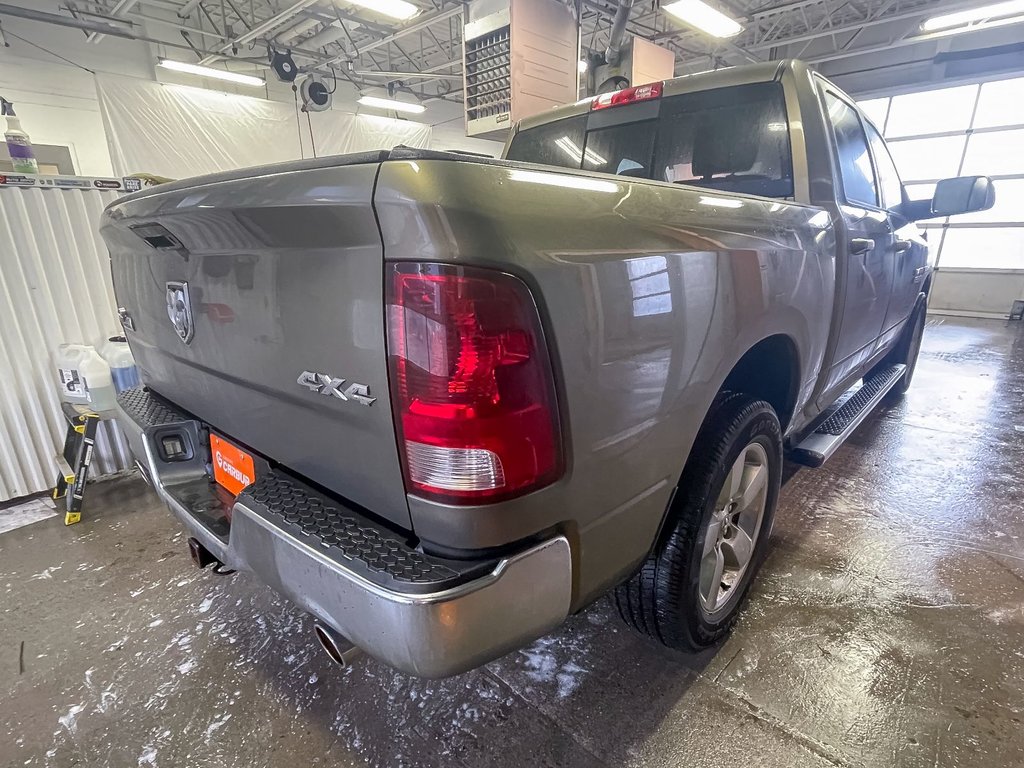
x: 54, y: 287
x: 179, y: 131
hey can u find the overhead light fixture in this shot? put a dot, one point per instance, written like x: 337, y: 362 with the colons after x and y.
x: 989, y: 24
x: 396, y: 9
x: 217, y: 74
x: 702, y: 16
x: 394, y: 104
x: 981, y: 13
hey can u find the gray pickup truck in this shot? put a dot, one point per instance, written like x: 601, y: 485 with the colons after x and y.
x: 442, y: 402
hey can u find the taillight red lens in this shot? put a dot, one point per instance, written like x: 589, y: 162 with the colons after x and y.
x: 471, y: 384
x: 627, y: 96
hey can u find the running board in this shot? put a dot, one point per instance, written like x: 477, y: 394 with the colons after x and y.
x: 848, y: 414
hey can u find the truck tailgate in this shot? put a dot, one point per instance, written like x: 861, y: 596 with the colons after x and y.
x: 283, y: 272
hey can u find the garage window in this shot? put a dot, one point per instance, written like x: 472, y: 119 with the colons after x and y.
x: 963, y: 131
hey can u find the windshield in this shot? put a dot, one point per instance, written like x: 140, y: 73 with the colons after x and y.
x: 731, y: 139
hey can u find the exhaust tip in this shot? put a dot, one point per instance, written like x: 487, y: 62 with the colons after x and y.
x: 336, y: 646
x: 200, y: 555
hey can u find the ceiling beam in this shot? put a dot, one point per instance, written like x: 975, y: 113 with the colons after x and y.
x: 846, y: 27
x: 398, y: 34
x: 119, y: 10
x: 188, y: 8
x: 45, y: 17
x: 261, y: 29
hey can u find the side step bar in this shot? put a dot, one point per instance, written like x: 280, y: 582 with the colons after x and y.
x: 846, y: 416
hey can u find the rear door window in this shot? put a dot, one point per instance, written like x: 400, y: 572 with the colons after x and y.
x: 888, y: 177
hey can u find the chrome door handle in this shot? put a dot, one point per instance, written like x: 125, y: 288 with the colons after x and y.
x: 859, y: 245
x: 900, y: 246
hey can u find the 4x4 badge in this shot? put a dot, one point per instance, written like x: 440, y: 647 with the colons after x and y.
x: 330, y: 386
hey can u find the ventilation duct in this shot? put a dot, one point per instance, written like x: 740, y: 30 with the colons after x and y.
x: 613, y: 53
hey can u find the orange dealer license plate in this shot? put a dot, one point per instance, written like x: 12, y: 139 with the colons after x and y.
x: 232, y: 467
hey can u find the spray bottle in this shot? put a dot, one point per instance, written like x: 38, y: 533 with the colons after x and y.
x: 18, y: 143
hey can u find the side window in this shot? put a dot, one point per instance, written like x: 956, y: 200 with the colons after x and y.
x: 888, y: 177
x: 858, y: 177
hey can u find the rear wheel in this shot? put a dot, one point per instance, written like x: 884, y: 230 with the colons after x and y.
x: 688, y: 592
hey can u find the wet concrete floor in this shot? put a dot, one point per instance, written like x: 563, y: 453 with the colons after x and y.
x: 885, y: 630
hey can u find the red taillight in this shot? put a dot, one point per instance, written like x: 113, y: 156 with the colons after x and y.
x: 471, y: 384
x: 627, y: 96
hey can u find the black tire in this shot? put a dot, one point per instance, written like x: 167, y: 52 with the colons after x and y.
x: 662, y: 599
x: 906, y: 351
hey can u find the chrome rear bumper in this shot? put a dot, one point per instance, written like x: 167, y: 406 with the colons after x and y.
x: 375, y: 592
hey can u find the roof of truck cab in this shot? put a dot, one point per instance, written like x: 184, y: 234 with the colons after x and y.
x: 720, y: 78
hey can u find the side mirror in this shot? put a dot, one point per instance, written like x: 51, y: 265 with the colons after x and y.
x: 963, y: 194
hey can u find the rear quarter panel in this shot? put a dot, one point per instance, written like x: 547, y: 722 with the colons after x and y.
x: 649, y: 294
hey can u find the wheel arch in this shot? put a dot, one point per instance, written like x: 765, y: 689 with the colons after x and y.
x: 926, y: 289
x: 769, y: 371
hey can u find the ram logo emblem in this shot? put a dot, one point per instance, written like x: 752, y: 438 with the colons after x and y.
x: 330, y: 386
x: 179, y: 310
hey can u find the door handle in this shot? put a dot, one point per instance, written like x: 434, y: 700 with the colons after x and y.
x: 859, y: 245
x: 900, y: 246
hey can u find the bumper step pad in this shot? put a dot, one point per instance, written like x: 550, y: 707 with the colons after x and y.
x: 352, y: 540
x: 849, y: 413
x: 349, y: 538
x: 148, y: 410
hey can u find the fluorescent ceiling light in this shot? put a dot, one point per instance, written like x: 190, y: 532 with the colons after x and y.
x: 395, y: 104
x: 702, y: 16
x: 991, y: 24
x: 981, y: 13
x: 396, y: 9
x: 217, y: 74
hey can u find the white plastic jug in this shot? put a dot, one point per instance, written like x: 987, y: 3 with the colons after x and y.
x: 99, y: 384
x: 69, y: 372
x: 122, y: 365
x: 84, y: 377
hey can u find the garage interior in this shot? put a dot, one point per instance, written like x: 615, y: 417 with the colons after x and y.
x: 885, y: 626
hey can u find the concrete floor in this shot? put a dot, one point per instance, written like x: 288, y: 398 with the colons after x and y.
x: 885, y: 630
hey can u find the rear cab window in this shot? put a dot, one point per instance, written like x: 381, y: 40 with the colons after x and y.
x: 733, y: 139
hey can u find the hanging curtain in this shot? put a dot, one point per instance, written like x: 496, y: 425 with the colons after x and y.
x: 179, y: 131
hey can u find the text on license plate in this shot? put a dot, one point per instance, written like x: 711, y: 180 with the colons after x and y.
x: 232, y: 467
